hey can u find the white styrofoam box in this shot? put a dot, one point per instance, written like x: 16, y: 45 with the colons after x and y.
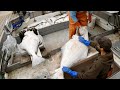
x: 42, y: 17
x: 50, y: 21
x: 103, y: 23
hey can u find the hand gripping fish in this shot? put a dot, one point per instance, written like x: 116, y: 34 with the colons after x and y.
x: 72, y: 52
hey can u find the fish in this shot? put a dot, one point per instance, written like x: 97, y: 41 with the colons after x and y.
x: 72, y: 52
x: 9, y: 45
x: 31, y: 43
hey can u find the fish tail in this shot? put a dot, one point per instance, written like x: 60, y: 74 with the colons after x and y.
x: 36, y: 60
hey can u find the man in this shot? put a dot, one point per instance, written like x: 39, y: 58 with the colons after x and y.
x: 77, y: 19
x: 102, y: 65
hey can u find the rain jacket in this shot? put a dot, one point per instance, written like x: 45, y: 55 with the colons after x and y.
x: 100, y: 68
x: 76, y: 19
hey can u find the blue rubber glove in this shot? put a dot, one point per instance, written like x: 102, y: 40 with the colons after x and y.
x: 82, y: 40
x: 70, y: 72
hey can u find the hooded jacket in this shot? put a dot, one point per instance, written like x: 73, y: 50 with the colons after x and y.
x: 100, y: 67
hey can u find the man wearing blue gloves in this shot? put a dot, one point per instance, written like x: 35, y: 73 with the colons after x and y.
x: 102, y: 65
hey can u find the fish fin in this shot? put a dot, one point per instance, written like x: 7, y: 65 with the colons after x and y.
x: 39, y: 53
x: 36, y: 60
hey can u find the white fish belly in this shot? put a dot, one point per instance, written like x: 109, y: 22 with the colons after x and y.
x: 30, y: 43
x: 73, y: 52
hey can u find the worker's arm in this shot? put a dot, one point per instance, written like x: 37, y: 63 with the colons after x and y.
x: 82, y: 40
x: 88, y: 43
x: 93, y: 72
x: 73, y: 16
x: 70, y: 72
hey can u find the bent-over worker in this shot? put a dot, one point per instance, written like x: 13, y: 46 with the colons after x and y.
x: 102, y: 66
